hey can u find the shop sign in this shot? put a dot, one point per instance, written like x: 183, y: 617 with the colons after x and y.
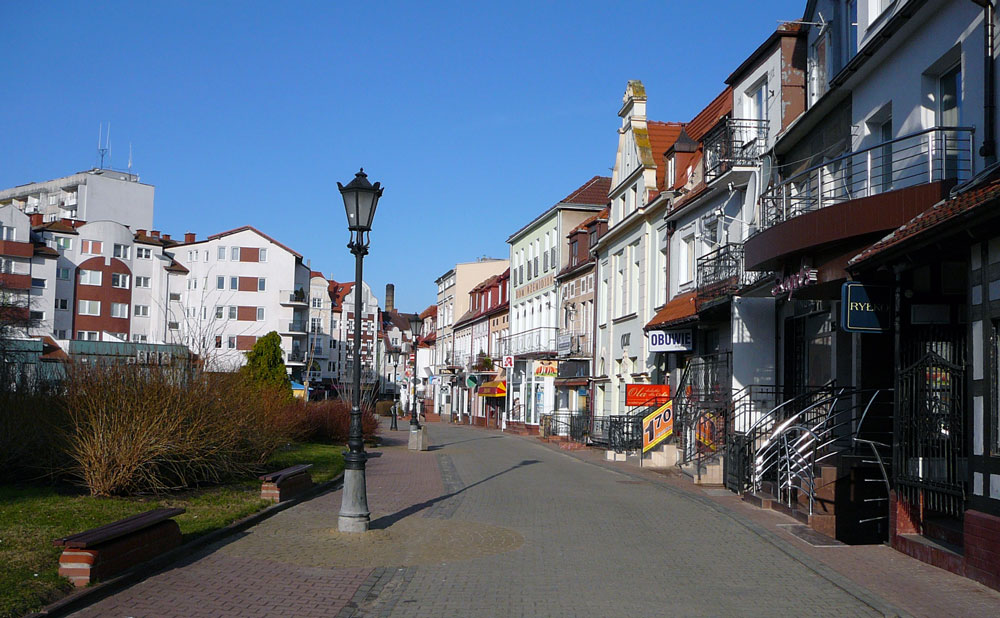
x: 671, y: 340
x: 508, y: 362
x: 565, y: 344
x: 865, y: 308
x: 786, y: 285
x: 646, y: 394
x: 658, y: 426
x: 546, y: 369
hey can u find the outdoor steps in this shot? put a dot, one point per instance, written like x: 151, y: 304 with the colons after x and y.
x: 702, y: 473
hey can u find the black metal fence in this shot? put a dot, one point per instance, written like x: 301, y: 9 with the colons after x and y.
x: 576, y: 427
x: 737, y: 142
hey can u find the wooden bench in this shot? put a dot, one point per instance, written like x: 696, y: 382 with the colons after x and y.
x: 108, y: 550
x: 285, y: 484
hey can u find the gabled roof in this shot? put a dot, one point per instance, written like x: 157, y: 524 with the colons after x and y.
x: 244, y: 229
x: 175, y: 267
x: 45, y: 251
x: 146, y: 239
x: 430, y: 312
x: 662, y: 136
x: 947, y: 210
x: 594, y: 191
x: 397, y: 319
x: 315, y: 273
x: 56, y: 226
x: 707, y: 118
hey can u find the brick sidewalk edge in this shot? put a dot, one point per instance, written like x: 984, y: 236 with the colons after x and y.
x: 92, y: 594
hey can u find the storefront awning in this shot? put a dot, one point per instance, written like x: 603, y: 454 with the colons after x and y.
x: 571, y: 382
x: 680, y: 310
x: 493, y: 389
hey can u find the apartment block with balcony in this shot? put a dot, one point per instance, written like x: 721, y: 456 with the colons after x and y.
x: 94, y: 195
x: 537, y: 253
x: 241, y: 285
x: 27, y: 276
x: 370, y: 344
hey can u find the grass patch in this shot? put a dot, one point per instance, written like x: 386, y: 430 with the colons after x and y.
x: 31, y: 517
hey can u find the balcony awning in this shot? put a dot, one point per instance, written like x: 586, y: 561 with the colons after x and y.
x: 493, y: 389
x: 572, y: 382
x: 678, y: 311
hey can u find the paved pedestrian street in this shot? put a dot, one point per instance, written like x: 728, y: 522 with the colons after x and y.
x: 489, y: 524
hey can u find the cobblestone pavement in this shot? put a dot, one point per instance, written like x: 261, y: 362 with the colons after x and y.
x: 487, y: 524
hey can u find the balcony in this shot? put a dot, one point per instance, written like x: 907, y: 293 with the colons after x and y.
x: 320, y: 352
x: 721, y: 273
x: 295, y: 327
x: 293, y: 298
x: 295, y: 357
x: 542, y: 341
x: 928, y: 156
x: 10, y: 281
x: 736, y: 143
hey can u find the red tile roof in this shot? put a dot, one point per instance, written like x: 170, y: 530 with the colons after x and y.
x: 678, y: 311
x: 252, y: 229
x: 986, y: 194
x: 51, y: 350
x: 594, y: 191
x: 56, y: 226
x: 45, y: 251
x: 706, y: 118
x: 175, y: 267
x: 662, y: 136
x: 430, y: 312
x: 337, y: 292
x: 315, y: 273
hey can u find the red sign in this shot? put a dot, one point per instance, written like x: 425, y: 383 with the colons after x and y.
x: 646, y: 394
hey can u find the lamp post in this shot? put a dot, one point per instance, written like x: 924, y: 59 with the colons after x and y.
x: 360, y: 200
x: 394, y: 356
x: 416, y: 431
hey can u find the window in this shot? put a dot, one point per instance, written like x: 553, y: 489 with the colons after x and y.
x: 192, y: 256
x: 173, y: 325
x: 174, y: 296
x: 756, y: 101
x: 262, y: 256
x: 671, y: 171
x: 123, y: 252
x: 61, y: 333
x: 234, y: 283
x: 37, y: 283
x: 232, y: 312
x: 314, y: 325
x: 89, y: 307
x: 687, y: 259
x: 8, y: 233
x: 91, y: 247
x: 633, y: 278
x: 852, y: 28
x: 143, y: 282
x: 119, y: 280
x: 143, y: 253
x: 317, y: 303
x: 119, y: 310
x: 260, y: 314
x: 63, y: 273
x: 261, y: 284
x: 36, y: 315
x: 90, y: 277
x: 218, y: 341
x: 219, y: 311
x: 885, y: 156
x: 234, y: 253
x: 62, y: 303
x: 231, y: 342
x: 86, y: 335
x: 141, y: 311
x: 139, y: 338
x: 619, y: 285
x: 64, y: 243
x: 221, y: 255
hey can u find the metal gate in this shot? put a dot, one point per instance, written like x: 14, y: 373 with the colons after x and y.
x: 930, y: 427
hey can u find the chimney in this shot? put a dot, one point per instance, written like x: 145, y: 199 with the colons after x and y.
x: 37, y: 218
x: 155, y: 233
x: 390, y: 297
x: 189, y: 237
x: 140, y: 232
x: 166, y: 237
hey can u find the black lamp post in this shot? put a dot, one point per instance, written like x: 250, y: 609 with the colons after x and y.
x: 360, y: 200
x: 394, y: 356
x: 415, y: 324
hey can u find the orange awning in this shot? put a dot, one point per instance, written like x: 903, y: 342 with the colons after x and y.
x: 493, y: 389
x: 681, y: 309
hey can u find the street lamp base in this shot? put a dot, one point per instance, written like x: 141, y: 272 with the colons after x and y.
x: 354, y: 515
x: 418, y: 439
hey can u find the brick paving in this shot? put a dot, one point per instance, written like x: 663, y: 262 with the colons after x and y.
x: 488, y: 524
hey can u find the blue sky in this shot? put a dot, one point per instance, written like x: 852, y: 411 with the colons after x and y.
x: 474, y: 118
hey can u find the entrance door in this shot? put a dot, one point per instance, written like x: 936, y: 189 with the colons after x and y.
x: 808, y: 352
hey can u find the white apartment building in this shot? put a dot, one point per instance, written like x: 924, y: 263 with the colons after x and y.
x: 95, y: 195
x: 241, y: 285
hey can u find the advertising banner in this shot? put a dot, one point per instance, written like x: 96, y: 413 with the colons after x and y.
x: 658, y: 426
x: 646, y: 394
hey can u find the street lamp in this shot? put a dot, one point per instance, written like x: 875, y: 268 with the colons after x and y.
x: 360, y: 201
x: 416, y: 431
x: 394, y: 356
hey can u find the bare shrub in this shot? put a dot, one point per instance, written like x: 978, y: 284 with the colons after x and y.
x: 132, y: 430
x: 31, y: 414
x: 330, y: 421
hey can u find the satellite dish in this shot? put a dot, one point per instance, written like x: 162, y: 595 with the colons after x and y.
x: 766, y: 169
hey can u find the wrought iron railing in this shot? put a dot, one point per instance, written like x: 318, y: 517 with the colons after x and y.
x: 939, y: 153
x: 737, y: 142
x: 722, y: 273
x: 703, y: 396
x: 576, y: 427
x: 536, y: 340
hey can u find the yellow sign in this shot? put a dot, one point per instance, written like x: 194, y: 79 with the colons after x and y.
x: 658, y: 426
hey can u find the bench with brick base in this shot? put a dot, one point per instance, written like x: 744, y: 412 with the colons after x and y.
x: 110, y: 549
x: 285, y: 484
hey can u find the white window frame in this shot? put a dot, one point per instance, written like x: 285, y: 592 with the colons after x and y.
x: 119, y: 308
x: 140, y: 311
x: 87, y: 307
x: 119, y: 276
x: 122, y: 252
x: 139, y: 281
x: 87, y: 277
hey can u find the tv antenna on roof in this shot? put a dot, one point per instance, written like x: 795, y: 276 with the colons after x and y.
x: 106, y: 149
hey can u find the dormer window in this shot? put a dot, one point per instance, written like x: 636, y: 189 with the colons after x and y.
x: 671, y: 171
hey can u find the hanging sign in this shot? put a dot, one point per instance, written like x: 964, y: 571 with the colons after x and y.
x: 865, y: 308
x: 546, y: 368
x: 658, y: 426
x: 671, y: 340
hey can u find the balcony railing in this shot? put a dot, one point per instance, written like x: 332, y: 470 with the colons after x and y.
x: 738, y: 142
x: 295, y: 326
x: 939, y: 153
x: 722, y: 273
x: 535, y: 341
x: 293, y: 297
x: 295, y: 356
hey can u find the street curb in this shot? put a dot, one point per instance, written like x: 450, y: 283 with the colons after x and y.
x: 92, y: 594
x: 850, y: 587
